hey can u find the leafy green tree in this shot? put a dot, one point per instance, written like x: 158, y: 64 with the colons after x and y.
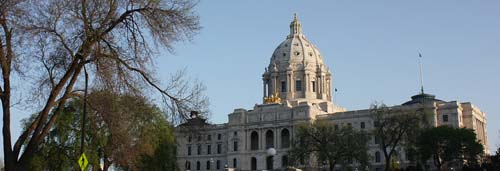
x: 446, y: 144
x: 330, y: 144
x: 125, y: 131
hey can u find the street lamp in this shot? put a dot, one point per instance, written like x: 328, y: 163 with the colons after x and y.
x: 271, y: 152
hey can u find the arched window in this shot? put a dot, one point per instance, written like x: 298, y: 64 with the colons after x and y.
x: 377, y: 156
x: 188, y: 165
x: 253, y: 163
x: 254, y: 140
x: 208, y: 165
x: 235, y: 163
x: 285, y: 138
x: 284, y: 161
x: 269, y: 139
x: 198, y: 165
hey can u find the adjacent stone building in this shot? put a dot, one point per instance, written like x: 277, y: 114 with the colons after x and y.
x: 297, y: 87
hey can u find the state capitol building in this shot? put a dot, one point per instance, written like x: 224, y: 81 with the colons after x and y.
x: 297, y: 87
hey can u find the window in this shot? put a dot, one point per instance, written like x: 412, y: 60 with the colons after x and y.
x: 285, y: 138
x: 208, y: 165
x: 298, y: 85
x: 217, y: 164
x: 188, y: 165
x: 445, y: 118
x: 313, y: 86
x: 219, y: 147
x: 349, y: 125
x: 199, y: 149
x: 377, y: 156
x: 198, y: 165
x: 283, y: 86
x: 284, y: 161
x: 362, y: 125
x: 219, y: 136
x: 189, y: 139
x: 253, y: 164
x: 408, y: 156
x: 235, y: 163
x: 269, y: 162
x: 235, y: 133
x: 189, y: 150
x: 377, y: 140
x: 254, y: 141
x: 209, y: 149
x: 209, y: 137
x: 336, y: 127
x: 376, y: 123
x: 235, y: 146
x: 199, y: 137
x: 269, y: 139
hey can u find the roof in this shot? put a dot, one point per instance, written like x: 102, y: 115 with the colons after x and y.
x: 196, y: 121
x: 422, y: 97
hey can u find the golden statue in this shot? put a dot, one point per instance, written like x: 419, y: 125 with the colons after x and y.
x: 274, y: 98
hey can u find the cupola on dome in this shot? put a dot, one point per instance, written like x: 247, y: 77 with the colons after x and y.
x: 296, y: 51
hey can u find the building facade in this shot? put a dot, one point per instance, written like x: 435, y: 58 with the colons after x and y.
x: 297, y: 87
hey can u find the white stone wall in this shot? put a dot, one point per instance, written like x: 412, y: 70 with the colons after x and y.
x: 276, y: 117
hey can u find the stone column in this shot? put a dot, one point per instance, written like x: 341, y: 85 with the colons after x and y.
x: 276, y: 137
x: 274, y: 85
x: 264, y: 89
x: 288, y: 81
x: 306, y: 82
x: 319, y: 82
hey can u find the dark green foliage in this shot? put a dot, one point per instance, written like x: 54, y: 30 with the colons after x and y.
x: 130, y: 132
x: 445, y: 144
x: 495, y: 160
x: 330, y: 144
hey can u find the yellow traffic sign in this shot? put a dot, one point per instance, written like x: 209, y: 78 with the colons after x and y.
x: 83, y: 162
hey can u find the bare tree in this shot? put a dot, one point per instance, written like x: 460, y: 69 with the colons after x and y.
x: 114, y: 41
x: 330, y: 144
x: 395, y: 127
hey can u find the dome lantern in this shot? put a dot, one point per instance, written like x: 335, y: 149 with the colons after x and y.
x: 295, y: 26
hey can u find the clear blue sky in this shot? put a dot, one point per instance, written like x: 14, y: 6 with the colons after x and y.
x: 370, y: 46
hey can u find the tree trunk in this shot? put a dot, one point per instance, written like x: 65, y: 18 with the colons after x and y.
x: 388, y: 164
x: 332, y: 164
x: 440, y: 165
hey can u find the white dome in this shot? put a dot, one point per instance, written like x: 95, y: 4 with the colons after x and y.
x: 296, y: 51
x: 297, y: 72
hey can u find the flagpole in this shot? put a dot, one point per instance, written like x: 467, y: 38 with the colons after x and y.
x: 421, y: 75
